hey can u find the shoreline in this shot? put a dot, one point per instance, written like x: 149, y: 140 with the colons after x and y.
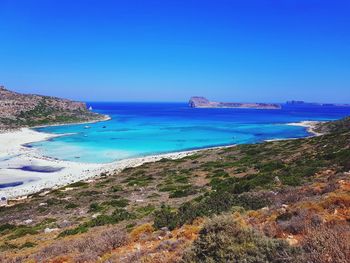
x: 105, y: 118
x: 309, y: 125
x: 15, y: 155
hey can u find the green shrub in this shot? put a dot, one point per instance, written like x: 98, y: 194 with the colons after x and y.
x: 78, y: 184
x: 224, y: 239
x: 122, y: 202
x: 138, y: 180
x: 165, y: 217
x: 21, y: 231
x: 253, y: 200
x: 6, y: 227
x: 220, y: 173
x: 121, y: 215
x: 182, y: 179
x: 213, y: 203
x: 71, y: 206
x: 168, y: 188
x: 7, y: 246
x: 117, y: 216
x: 101, y: 220
x: 74, y: 231
x: 116, y: 188
x: 89, y: 193
x: 183, y: 192
x: 270, y: 166
x: 28, y: 245
x: 145, y: 210
x: 193, y: 156
x: 95, y: 207
x: 53, y: 201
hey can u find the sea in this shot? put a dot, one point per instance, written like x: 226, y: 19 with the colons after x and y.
x: 142, y: 129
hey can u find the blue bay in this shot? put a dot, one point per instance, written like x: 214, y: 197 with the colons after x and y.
x: 140, y: 129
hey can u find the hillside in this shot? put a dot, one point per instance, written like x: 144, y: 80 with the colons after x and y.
x: 22, y: 110
x: 281, y: 201
x: 338, y: 126
x: 201, y: 102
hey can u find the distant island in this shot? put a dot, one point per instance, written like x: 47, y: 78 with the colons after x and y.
x: 304, y: 103
x: 202, y: 102
x: 28, y: 110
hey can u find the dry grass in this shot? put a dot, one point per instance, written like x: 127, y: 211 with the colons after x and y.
x: 329, y: 243
x: 143, y: 230
x: 87, y: 248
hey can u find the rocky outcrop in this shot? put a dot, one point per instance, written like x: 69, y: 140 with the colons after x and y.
x: 19, y: 110
x: 197, y: 102
x: 201, y: 102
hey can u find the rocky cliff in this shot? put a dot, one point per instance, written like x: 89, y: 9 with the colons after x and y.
x: 21, y: 110
x: 201, y: 102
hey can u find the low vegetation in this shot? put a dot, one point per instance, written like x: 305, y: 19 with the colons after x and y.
x: 25, y: 110
x: 229, y: 239
x: 282, y: 201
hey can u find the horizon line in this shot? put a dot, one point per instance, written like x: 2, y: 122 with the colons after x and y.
x: 147, y: 101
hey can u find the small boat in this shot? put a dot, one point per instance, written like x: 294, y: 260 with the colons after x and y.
x: 87, y: 127
x: 90, y: 108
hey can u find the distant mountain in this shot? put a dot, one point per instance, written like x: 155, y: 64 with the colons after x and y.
x: 202, y: 102
x: 27, y: 110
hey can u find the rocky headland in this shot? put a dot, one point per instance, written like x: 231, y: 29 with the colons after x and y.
x: 28, y: 110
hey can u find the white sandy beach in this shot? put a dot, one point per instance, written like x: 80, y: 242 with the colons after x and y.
x: 309, y: 125
x: 13, y: 155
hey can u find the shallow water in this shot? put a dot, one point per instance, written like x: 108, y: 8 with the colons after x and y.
x: 12, y: 184
x: 40, y: 169
x: 139, y: 129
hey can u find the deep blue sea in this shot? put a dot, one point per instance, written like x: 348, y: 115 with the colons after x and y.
x: 139, y: 129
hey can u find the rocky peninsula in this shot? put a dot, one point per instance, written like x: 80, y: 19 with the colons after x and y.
x: 29, y: 110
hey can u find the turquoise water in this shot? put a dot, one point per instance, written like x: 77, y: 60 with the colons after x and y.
x: 140, y: 129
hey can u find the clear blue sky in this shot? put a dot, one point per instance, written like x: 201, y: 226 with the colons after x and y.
x: 167, y: 50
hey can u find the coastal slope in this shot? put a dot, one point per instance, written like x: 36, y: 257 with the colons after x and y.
x: 28, y: 110
x: 202, y: 102
x: 288, y: 200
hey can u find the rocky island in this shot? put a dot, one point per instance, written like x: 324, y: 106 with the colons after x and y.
x: 202, y: 102
x: 28, y: 110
